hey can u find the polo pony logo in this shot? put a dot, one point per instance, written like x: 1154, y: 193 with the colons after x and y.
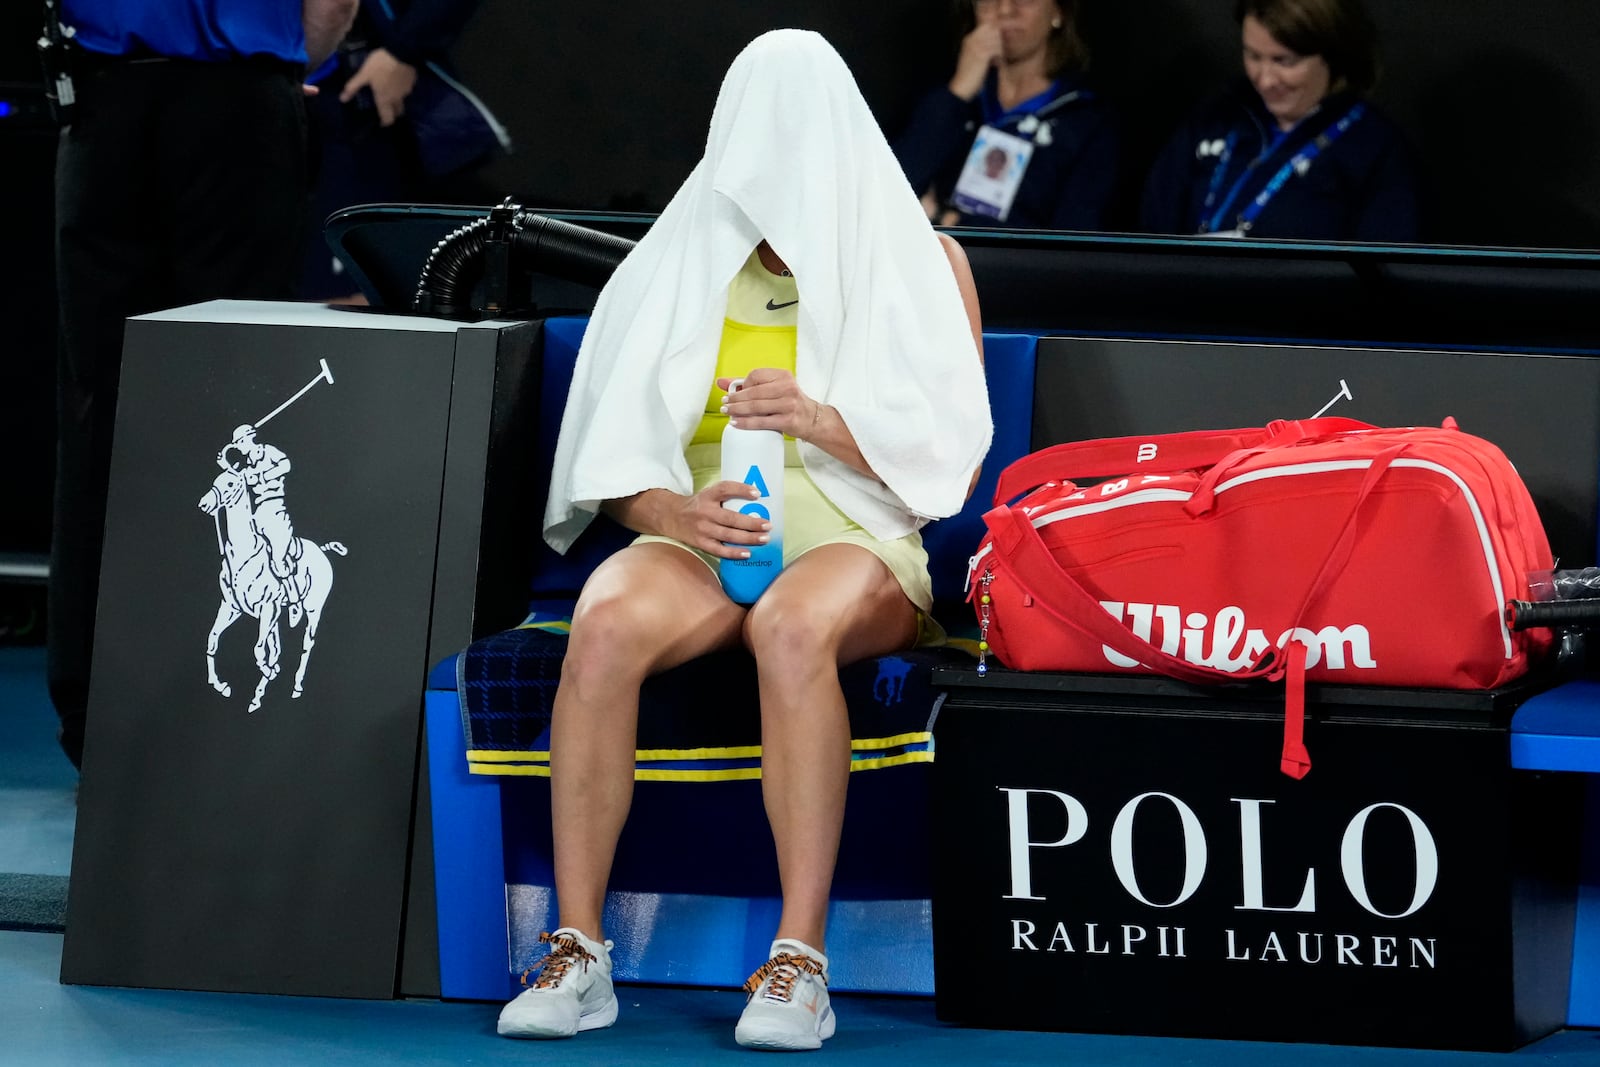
x: 890, y: 685
x: 266, y: 568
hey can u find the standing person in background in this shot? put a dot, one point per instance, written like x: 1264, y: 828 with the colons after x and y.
x: 181, y: 177
x: 394, y: 123
x: 1294, y: 148
x: 1019, y: 86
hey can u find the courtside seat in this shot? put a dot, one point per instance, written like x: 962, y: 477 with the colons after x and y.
x: 1558, y: 730
x: 694, y: 888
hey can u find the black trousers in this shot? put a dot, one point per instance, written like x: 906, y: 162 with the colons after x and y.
x: 177, y: 182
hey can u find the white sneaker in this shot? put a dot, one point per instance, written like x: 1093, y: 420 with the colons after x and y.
x: 788, y: 1006
x: 573, y: 991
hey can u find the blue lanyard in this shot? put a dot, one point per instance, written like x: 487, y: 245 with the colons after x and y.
x: 1299, y: 164
x: 1219, y: 171
x: 994, y: 116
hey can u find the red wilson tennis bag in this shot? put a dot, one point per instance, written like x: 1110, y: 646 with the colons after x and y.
x: 1324, y: 549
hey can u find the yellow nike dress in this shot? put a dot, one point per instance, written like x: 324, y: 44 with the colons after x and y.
x: 759, y: 331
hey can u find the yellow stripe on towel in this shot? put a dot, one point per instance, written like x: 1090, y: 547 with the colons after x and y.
x: 657, y: 755
x: 726, y: 774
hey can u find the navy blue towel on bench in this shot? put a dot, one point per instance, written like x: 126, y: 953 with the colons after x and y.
x: 698, y: 722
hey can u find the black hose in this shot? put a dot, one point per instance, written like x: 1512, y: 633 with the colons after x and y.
x: 573, y: 252
x: 445, y: 275
x: 536, y: 243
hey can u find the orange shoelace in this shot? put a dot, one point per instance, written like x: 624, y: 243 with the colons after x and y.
x: 564, y: 952
x: 784, y: 970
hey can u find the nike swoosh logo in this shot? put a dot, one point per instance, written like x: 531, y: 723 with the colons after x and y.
x: 778, y: 307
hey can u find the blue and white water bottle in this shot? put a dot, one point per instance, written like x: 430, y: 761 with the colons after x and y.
x: 754, y: 457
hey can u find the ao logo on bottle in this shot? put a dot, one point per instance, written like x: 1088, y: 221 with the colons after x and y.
x: 754, y: 478
x: 754, y: 457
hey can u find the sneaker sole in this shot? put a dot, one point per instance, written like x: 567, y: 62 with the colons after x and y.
x: 786, y: 1040
x: 595, y: 1020
x: 601, y: 1019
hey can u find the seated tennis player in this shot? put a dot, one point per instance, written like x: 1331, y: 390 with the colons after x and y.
x: 796, y: 257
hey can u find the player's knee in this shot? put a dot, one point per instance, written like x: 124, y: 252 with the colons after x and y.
x: 611, y: 634
x: 790, y: 634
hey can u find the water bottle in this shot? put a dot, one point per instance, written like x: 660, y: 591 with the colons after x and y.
x: 754, y: 457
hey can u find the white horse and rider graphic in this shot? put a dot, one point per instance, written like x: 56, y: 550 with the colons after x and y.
x: 266, y: 569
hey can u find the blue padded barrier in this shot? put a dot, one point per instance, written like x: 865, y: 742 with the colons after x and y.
x: 468, y: 856
x: 693, y: 897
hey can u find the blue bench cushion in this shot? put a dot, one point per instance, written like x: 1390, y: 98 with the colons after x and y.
x: 1559, y: 729
x: 1008, y: 362
x: 689, y: 728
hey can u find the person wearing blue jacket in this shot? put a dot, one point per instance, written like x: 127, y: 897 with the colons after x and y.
x: 1017, y: 138
x: 1294, y: 149
x: 181, y: 176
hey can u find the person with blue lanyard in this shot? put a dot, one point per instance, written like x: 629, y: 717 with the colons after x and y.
x: 1293, y: 150
x: 1019, y: 89
x: 181, y: 176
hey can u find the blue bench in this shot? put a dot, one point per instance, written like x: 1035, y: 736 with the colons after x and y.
x: 695, y: 878
x: 1559, y: 731
x: 703, y: 901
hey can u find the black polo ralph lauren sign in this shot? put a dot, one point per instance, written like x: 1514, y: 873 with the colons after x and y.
x: 1123, y: 855
x: 293, y: 537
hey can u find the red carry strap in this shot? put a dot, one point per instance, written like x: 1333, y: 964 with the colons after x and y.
x: 1281, y: 435
x: 1017, y: 545
x: 1289, y: 431
x: 1110, y: 457
x: 1295, y: 760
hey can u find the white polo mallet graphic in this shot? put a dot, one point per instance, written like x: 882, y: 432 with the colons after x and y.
x: 246, y: 580
x: 1343, y: 394
x: 324, y: 375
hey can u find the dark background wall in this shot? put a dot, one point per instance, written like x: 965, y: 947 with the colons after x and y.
x: 609, y: 103
x: 609, y: 106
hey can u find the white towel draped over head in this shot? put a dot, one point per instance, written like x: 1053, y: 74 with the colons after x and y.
x: 793, y: 156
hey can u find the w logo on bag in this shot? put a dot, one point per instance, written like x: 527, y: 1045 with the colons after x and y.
x: 1227, y: 643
